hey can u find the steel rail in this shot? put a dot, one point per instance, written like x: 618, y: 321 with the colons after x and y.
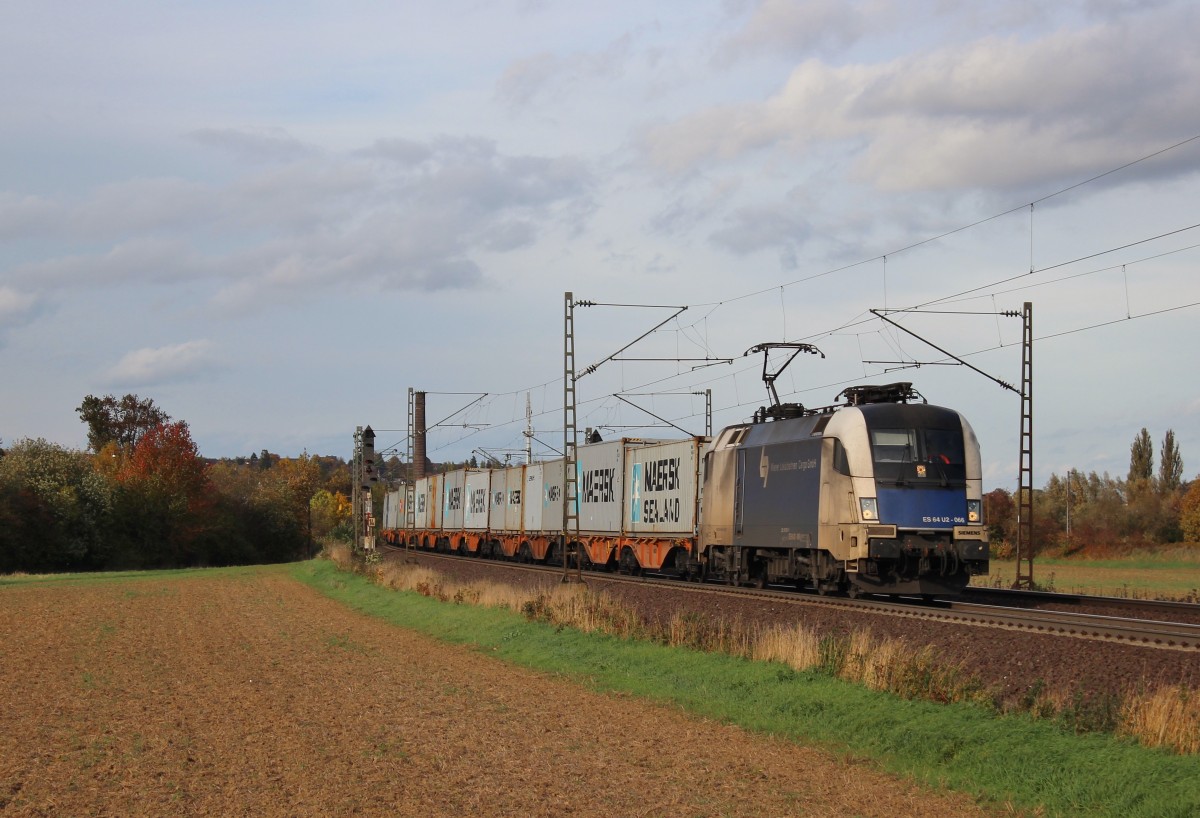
x: 1058, y: 598
x: 1090, y: 627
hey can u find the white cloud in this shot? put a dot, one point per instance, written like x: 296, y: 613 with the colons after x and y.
x: 269, y: 145
x: 749, y: 229
x: 139, y: 259
x: 401, y: 214
x: 794, y: 28
x: 998, y: 112
x: 16, y: 307
x: 547, y: 76
x: 152, y: 366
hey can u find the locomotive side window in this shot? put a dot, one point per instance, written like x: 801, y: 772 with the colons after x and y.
x: 841, y: 463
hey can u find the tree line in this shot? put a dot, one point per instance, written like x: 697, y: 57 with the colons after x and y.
x: 1101, y: 514
x: 141, y: 496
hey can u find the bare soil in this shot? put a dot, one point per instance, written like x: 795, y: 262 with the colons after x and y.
x: 254, y: 695
x: 1015, y: 664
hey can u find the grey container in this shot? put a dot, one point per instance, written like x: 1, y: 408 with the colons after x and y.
x: 600, y: 478
x: 422, y: 505
x: 497, y: 499
x: 478, y: 499
x: 393, y: 517
x: 662, y: 487
x: 514, y: 490
x: 454, y: 499
x: 543, y: 497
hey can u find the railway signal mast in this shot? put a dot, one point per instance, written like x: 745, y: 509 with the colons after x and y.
x: 365, y: 476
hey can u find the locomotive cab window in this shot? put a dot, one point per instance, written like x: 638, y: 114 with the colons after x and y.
x: 919, y: 456
x: 894, y: 445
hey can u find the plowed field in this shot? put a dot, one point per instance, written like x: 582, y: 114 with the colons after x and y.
x: 250, y: 694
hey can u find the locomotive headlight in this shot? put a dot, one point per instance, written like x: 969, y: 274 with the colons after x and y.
x: 869, y: 507
x: 974, y: 511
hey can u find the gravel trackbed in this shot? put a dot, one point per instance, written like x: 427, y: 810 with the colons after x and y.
x: 247, y: 693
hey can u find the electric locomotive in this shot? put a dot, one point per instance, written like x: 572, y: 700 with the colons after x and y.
x: 881, y: 494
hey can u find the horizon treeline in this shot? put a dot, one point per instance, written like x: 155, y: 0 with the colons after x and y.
x: 1100, y: 514
x: 141, y: 496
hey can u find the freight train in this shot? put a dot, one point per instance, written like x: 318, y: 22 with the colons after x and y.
x: 881, y: 493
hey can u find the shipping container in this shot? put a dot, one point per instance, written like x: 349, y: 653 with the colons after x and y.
x: 514, y: 486
x: 497, y: 499
x: 543, y: 497
x: 600, y: 476
x: 663, y: 481
x: 453, y: 500
x: 427, y: 502
x: 477, y: 500
x: 531, y: 509
x: 392, y: 516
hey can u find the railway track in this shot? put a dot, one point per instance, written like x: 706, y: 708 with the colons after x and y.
x: 1135, y: 608
x: 1156, y: 633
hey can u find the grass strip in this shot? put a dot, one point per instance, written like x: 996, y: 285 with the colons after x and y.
x: 1002, y: 760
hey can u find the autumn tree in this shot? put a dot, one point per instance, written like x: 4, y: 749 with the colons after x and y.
x: 1141, y: 457
x: 266, y: 509
x: 1170, y: 464
x: 330, y: 514
x: 54, y: 509
x: 1189, y: 513
x: 1000, y: 511
x: 123, y: 421
x: 167, y: 498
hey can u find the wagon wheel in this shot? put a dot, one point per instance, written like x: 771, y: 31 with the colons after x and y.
x: 628, y: 563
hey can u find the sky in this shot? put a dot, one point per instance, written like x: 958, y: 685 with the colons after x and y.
x: 274, y: 219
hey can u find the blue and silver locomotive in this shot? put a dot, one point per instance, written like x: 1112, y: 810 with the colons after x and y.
x: 879, y: 494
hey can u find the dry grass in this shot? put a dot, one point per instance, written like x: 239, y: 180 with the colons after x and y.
x: 1168, y: 717
x: 797, y: 647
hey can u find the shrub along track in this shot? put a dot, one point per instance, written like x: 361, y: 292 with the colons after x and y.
x: 1016, y: 664
x: 244, y: 692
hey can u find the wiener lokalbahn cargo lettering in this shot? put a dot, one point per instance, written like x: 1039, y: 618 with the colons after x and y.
x: 807, y: 498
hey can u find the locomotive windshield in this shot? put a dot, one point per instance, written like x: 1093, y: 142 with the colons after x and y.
x: 923, y: 456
